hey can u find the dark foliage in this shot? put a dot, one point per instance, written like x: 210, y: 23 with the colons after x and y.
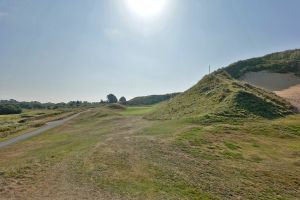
x: 122, y: 100
x: 6, y: 109
x: 111, y: 98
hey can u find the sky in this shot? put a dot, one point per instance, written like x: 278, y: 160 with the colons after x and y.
x: 63, y: 50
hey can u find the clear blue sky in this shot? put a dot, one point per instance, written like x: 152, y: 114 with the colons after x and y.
x: 62, y: 50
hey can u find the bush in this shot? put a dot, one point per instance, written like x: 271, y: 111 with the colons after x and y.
x: 6, y: 109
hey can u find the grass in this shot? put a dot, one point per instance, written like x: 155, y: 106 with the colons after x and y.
x: 220, y: 97
x: 116, y: 154
x: 150, y: 100
x: 12, y: 125
x: 137, y: 110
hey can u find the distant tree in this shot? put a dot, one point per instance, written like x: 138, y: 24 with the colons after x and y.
x: 111, y: 98
x: 122, y: 100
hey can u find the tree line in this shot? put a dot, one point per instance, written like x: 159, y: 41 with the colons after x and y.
x: 13, y: 106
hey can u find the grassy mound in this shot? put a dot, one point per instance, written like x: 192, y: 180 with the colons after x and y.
x: 150, y: 100
x: 221, y: 95
x: 281, y: 62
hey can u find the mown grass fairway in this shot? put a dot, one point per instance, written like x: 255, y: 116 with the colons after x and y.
x: 113, y: 154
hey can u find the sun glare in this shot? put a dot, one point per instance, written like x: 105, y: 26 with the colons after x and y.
x: 146, y: 8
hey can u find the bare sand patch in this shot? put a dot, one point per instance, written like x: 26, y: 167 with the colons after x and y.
x: 292, y: 94
x: 285, y: 85
x: 270, y: 80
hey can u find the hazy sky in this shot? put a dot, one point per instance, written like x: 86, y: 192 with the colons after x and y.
x: 61, y: 50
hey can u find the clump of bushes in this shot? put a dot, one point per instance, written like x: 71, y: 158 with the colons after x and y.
x: 6, y: 109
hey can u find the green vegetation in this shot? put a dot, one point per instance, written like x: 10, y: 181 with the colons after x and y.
x: 109, y: 154
x: 219, y: 96
x: 53, y: 106
x: 12, y: 125
x: 281, y: 62
x: 137, y: 110
x: 6, y: 109
x: 221, y: 139
x: 150, y: 100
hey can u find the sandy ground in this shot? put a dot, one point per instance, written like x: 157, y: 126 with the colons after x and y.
x: 284, y: 85
x: 292, y: 94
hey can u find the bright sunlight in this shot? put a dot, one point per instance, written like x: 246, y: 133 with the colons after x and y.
x: 146, y: 8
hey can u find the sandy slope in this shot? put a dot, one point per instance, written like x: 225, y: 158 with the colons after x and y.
x: 292, y: 94
x: 284, y: 85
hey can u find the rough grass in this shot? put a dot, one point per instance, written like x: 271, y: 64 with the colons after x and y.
x: 12, y: 125
x: 116, y: 106
x: 107, y: 154
x: 221, y: 96
x: 137, y: 110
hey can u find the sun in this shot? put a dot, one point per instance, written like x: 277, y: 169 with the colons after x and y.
x: 146, y: 8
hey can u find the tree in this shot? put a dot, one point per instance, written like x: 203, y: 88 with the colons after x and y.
x: 122, y: 100
x: 111, y: 98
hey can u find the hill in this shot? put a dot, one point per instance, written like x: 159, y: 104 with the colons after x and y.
x: 150, y: 100
x: 221, y: 95
x: 277, y: 72
x: 242, y: 89
x: 280, y: 62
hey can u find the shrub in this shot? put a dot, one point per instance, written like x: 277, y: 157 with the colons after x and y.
x: 6, y: 109
x: 122, y: 100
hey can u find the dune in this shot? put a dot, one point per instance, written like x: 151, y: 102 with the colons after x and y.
x: 291, y: 94
x: 285, y: 85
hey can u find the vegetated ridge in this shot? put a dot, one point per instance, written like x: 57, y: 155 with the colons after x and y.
x: 221, y: 94
x: 281, y: 62
x: 150, y: 100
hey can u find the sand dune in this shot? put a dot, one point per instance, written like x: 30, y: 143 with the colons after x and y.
x: 292, y: 94
x: 285, y: 85
x: 271, y: 81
